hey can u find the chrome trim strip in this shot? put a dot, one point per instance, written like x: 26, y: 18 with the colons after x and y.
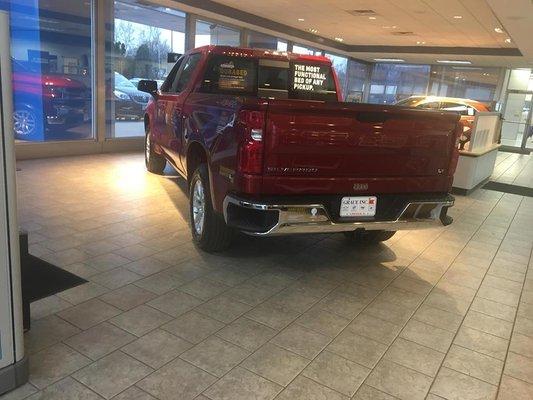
x: 291, y: 221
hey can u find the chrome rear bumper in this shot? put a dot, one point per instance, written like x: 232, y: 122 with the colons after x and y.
x: 314, y: 218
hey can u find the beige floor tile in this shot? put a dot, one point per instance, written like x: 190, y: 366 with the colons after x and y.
x: 241, y: 384
x: 82, y: 270
x: 451, y: 384
x: 134, y: 393
x: 427, y: 335
x: 522, y: 344
x: 415, y: 356
x: 193, y: 327
x: 175, y: 303
x: 366, y: 392
x: 445, y: 302
x: 357, y: 348
x: 438, y: 318
x: 301, y: 341
x: 482, y: 342
x: 399, y: 381
x: 499, y: 296
x: 107, y: 262
x: 524, y: 326
x: 112, y: 374
x: 322, y: 322
x: 272, y: 314
x: 140, y: 320
x: 389, y: 312
x: 204, y: 289
x: 116, y: 278
x: 299, y: 301
x: 215, y: 356
x: 519, y: 367
x: 100, y: 340
x: 81, y: 293
x: 514, y: 389
x: 128, y: 297
x: 494, y: 309
x: 159, y: 283
x: 223, y: 308
x: 147, y: 266
x: 337, y: 373
x: 54, y: 363
x: 474, y: 364
x: 276, y: 364
x: 374, y: 328
x: 88, y: 314
x: 47, y: 306
x: 247, y: 333
x: 46, y: 332
x: 342, y: 304
x: 177, y: 380
x: 135, y: 251
x: 502, y: 283
x: 66, y: 389
x: 488, y: 324
x: 157, y: 348
x: 251, y: 294
x: 305, y: 389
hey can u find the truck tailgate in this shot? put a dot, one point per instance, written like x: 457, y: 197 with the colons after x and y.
x: 328, y: 147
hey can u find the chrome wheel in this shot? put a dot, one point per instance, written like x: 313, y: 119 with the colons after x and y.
x: 198, y: 207
x: 24, y: 122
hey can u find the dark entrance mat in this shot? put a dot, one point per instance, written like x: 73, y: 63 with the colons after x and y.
x: 41, y: 279
x: 507, y: 188
x: 511, y: 149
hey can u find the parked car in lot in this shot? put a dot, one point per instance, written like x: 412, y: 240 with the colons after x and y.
x: 465, y: 107
x: 136, y: 81
x: 268, y: 148
x: 45, y: 102
x: 130, y: 103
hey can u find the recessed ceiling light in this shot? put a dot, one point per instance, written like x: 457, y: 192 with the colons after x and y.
x: 394, y: 26
x: 498, y: 30
x: 457, y: 17
x: 313, y: 30
x: 386, y: 27
x: 371, y: 17
x: 508, y: 40
x: 339, y: 39
x: 301, y: 19
x: 419, y: 42
x: 453, y: 62
x: 389, y: 60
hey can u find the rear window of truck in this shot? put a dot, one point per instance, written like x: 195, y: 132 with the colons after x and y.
x: 269, y: 78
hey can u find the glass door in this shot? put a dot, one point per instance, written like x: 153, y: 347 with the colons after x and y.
x: 516, y: 125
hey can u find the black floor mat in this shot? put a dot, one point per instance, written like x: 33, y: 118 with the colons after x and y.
x: 507, y: 188
x: 41, y: 279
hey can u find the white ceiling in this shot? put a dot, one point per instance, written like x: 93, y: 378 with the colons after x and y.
x: 431, y: 21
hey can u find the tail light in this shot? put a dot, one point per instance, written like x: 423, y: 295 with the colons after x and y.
x: 250, y: 155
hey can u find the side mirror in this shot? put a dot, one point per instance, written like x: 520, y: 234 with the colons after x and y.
x: 147, y: 86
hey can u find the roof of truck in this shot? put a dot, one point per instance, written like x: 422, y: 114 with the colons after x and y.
x: 260, y: 53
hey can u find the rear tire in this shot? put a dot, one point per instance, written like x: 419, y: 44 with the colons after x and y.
x: 209, y: 230
x: 154, y: 162
x: 369, y: 236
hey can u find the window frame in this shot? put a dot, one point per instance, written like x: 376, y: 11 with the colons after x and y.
x: 179, y: 75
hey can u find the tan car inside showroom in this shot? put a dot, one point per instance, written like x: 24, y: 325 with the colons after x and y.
x: 279, y: 200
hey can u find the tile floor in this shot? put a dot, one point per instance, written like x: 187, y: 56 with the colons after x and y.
x: 434, y: 314
x: 514, y: 169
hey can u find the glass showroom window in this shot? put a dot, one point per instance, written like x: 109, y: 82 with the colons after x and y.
x: 51, y: 70
x: 139, y: 40
x: 477, y: 83
x: 340, y: 64
x: 393, y: 82
x: 357, y: 76
x: 213, y: 33
x: 258, y: 40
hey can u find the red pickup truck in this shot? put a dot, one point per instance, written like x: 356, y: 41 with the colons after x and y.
x: 268, y: 147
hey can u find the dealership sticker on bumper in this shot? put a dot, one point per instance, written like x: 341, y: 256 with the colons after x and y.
x: 358, y: 206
